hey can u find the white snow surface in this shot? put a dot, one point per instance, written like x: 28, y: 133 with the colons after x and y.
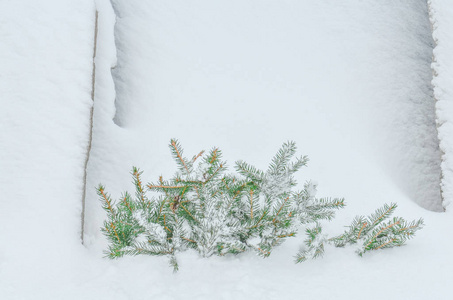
x: 349, y: 81
x: 46, y: 54
x: 441, y: 15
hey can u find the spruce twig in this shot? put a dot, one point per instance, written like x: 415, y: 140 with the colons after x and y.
x: 203, y: 208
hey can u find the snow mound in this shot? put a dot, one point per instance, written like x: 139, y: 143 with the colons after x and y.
x: 441, y: 16
x: 46, y: 59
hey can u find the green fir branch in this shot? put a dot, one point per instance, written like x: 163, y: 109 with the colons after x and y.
x: 215, y: 213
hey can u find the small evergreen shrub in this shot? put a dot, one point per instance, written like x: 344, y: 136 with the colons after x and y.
x: 204, y: 208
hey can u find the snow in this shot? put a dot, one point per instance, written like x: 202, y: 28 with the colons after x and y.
x: 440, y: 15
x: 349, y: 82
x: 45, y: 84
x: 279, y: 74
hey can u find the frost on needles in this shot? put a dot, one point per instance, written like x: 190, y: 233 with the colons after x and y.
x: 371, y: 232
x: 218, y: 213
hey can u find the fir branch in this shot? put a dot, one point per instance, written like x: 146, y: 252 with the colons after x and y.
x: 391, y: 234
x: 161, y: 181
x: 385, y: 244
x: 259, y: 220
x: 382, y: 213
x: 198, y: 193
x: 138, y: 184
x: 162, y: 203
x: 385, y: 228
x: 183, y: 191
x: 126, y: 202
x: 188, y: 212
x: 286, y: 235
x: 263, y: 252
x: 165, y: 187
x: 189, y: 240
x: 300, y: 162
x: 213, y: 174
x: 197, y: 156
x: 249, y: 171
x: 108, y: 203
x: 282, y: 158
x: 361, y: 229
x: 280, y: 209
x: 165, y: 224
x: 251, y: 203
x: 191, y: 183
x: 214, y: 156
x: 213, y: 213
x: 314, y: 244
x: 226, y: 184
x: 177, y: 154
x: 116, y: 233
x: 146, y: 248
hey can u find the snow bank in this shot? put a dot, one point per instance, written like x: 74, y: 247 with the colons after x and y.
x: 249, y: 76
x: 441, y: 16
x: 106, y: 152
x: 353, y: 92
x: 46, y: 54
x: 185, y: 69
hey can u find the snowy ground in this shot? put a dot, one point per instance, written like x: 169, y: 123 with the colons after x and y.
x: 349, y: 82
